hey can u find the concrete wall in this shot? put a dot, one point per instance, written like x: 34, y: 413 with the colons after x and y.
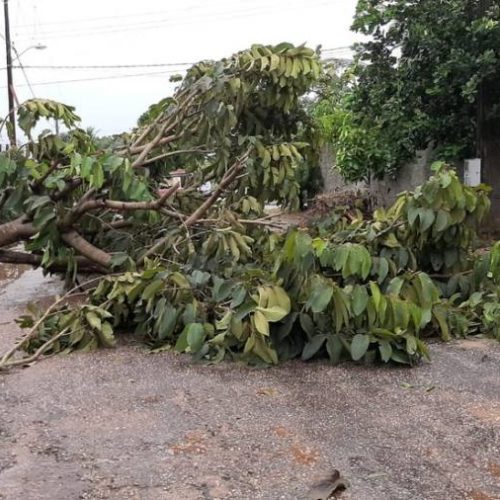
x: 409, y: 177
x: 384, y: 191
x: 333, y: 180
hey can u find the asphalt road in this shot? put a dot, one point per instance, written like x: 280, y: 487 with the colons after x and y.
x: 126, y: 424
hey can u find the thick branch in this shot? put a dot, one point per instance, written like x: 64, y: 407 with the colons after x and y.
x: 15, y: 231
x: 123, y: 206
x: 138, y: 149
x: 230, y: 176
x: 85, y: 248
x: 60, y: 265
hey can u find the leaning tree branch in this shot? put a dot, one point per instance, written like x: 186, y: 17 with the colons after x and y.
x: 149, y: 128
x: 59, y: 265
x: 173, y: 153
x: 14, y: 231
x: 85, y: 248
x: 228, y: 178
x: 125, y: 206
x: 138, y: 149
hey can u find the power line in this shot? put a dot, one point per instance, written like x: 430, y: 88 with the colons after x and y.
x: 113, y: 17
x: 158, y: 24
x: 170, y: 13
x: 110, y: 77
x: 324, y: 52
x: 113, y: 77
x: 104, y: 66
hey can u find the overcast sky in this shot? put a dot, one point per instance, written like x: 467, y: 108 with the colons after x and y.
x: 128, y: 32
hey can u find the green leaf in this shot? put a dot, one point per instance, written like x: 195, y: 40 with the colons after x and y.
x: 238, y: 297
x: 106, y: 336
x: 359, y: 346
x: 35, y: 202
x: 307, y: 324
x: 400, y: 357
x: 391, y: 241
x: 440, y: 313
x: 93, y: 320
x: 359, y: 300
x: 151, y: 290
x: 411, y: 344
x: 43, y: 217
x: 264, y: 351
x: 320, y: 298
x: 195, y: 336
x: 189, y: 314
x: 334, y: 347
x: 199, y: 278
x: 395, y: 286
x: 272, y: 314
x: 442, y: 221
x: 385, y: 349
x: 222, y: 289
x: 261, y: 323
x: 118, y: 259
x: 167, y: 323
x: 375, y: 290
x: 182, y: 343
x: 313, y: 346
x: 427, y: 218
x: 282, y: 298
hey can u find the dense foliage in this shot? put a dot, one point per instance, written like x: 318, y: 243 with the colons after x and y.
x: 416, y: 82
x: 363, y: 289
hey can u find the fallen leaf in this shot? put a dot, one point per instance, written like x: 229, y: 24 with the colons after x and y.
x: 267, y: 391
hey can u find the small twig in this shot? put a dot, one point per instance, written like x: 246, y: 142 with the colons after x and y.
x: 34, y: 330
x: 37, y: 354
x: 173, y: 153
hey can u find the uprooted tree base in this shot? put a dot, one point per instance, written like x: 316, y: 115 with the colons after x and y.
x: 206, y: 272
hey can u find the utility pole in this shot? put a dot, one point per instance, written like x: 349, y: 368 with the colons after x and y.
x: 10, y: 80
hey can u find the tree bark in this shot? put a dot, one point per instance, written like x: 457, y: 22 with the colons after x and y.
x: 84, y: 266
x: 86, y: 249
x: 15, y: 231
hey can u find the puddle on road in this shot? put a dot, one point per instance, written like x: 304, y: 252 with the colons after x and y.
x: 20, y: 285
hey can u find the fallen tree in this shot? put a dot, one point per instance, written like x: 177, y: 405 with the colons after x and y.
x: 237, y: 123
x: 208, y: 273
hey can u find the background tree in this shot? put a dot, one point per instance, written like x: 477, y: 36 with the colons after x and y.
x: 417, y: 82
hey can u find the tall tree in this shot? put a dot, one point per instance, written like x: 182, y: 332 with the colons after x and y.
x: 420, y: 73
